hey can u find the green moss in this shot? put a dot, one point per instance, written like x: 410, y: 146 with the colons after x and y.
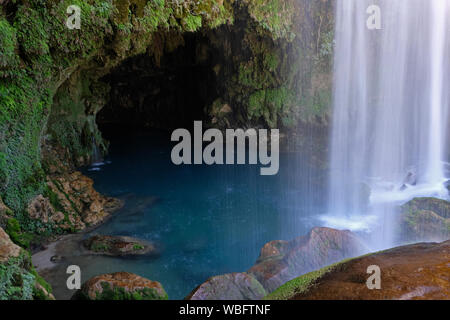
x: 275, y: 16
x: 118, y: 293
x: 301, y: 284
x: 269, y: 104
x: 8, y: 42
x: 16, y: 280
x: 100, y: 247
x: 14, y: 231
x: 192, y: 23
x: 49, y: 75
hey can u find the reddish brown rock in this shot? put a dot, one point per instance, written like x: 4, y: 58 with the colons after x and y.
x: 121, y: 286
x: 71, y: 203
x: 415, y: 272
x: 79, y: 205
x: 282, y: 261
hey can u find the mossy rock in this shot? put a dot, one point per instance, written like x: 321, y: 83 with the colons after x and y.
x: 18, y: 278
x: 425, y: 219
x: 120, y: 286
x: 119, y: 246
x: 233, y: 286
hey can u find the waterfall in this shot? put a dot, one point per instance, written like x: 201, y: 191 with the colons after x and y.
x: 390, y: 110
x: 97, y: 158
x: 439, y: 11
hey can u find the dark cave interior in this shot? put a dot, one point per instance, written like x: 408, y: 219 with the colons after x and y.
x: 167, y: 95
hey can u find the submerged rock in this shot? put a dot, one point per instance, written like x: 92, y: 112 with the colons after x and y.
x: 282, y: 261
x: 233, y: 286
x: 419, y: 271
x: 119, y: 246
x: 120, y: 286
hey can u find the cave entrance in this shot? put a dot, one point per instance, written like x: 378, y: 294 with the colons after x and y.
x: 162, y: 93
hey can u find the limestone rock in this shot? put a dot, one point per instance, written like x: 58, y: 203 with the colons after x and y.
x: 281, y: 261
x: 233, y: 286
x: 119, y: 246
x: 273, y: 250
x: 78, y: 201
x: 45, y: 294
x: 4, y: 210
x: 40, y: 209
x: 425, y: 219
x: 120, y: 286
x: 321, y: 247
x: 440, y: 207
x: 414, y: 272
x: 7, y: 248
x: 5, y: 213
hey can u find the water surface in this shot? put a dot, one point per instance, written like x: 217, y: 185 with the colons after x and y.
x: 209, y: 220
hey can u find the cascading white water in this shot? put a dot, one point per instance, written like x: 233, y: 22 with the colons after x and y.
x: 390, y: 110
x: 439, y: 12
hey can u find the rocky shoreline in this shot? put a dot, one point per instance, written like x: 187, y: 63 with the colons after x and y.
x: 278, y: 263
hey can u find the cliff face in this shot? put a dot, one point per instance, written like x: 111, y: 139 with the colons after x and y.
x: 268, y: 62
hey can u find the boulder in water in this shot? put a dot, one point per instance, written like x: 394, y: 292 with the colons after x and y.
x: 321, y: 247
x: 425, y: 219
x: 281, y: 261
x: 233, y: 286
x: 119, y: 246
x: 120, y: 286
x: 410, y: 179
